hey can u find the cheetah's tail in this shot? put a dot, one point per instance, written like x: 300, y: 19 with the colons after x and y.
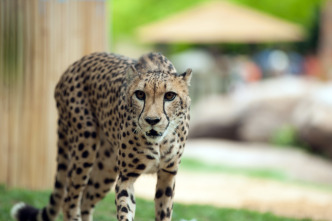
x: 23, y: 212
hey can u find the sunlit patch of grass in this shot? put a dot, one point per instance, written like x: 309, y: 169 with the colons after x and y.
x: 105, y: 210
x: 200, y: 166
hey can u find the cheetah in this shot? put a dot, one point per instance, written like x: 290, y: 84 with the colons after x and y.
x: 118, y: 118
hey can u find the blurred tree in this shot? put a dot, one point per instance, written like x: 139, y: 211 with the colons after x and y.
x: 311, y: 45
x: 127, y: 14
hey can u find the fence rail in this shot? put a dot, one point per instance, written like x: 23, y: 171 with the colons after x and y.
x: 38, y: 40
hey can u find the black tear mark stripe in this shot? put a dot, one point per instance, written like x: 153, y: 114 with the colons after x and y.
x: 139, y: 116
x: 154, y: 92
x: 165, y: 114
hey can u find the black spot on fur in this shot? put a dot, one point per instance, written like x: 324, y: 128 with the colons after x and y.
x: 159, y: 193
x: 44, y: 215
x: 150, y: 157
x: 80, y: 146
x: 85, y: 154
x: 85, y: 212
x: 124, y: 209
x: 52, y: 212
x: 169, y: 191
x: 133, y: 174
x: 140, y: 167
x: 62, y: 166
x: 58, y: 185
x: 87, y: 165
x: 52, y: 201
x: 86, y: 134
x: 107, y: 181
x: 100, y: 165
x: 162, y: 215
x: 122, y: 193
x: 78, y: 171
x: 132, y: 199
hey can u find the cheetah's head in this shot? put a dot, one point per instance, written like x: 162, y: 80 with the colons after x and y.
x: 159, y: 101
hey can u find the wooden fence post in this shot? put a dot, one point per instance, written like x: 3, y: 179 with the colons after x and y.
x: 38, y: 40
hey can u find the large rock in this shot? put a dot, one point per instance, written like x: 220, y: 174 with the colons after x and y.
x: 313, y: 120
x: 215, y: 117
x: 259, y: 111
x: 262, y: 120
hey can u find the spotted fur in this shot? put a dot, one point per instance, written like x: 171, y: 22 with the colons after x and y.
x: 118, y: 118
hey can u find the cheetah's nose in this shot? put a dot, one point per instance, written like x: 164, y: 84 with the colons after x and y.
x: 152, y: 120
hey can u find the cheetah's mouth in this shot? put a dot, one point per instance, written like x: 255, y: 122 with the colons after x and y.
x: 153, y: 133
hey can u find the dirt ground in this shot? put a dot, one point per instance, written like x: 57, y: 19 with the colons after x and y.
x: 239, y: 191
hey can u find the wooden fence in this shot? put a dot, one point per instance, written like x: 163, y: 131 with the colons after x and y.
x: 38, y: 40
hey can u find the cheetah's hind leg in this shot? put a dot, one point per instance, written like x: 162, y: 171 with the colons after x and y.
x: 102, y: 177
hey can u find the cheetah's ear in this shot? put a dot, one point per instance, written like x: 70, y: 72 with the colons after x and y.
x: 186, y: 76
x: 131, y: 72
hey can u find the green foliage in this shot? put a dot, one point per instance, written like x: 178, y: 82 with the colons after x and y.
x: 127, y: 15
x: 144, y: 212
x: 287, y: 136
x: 298, y: 11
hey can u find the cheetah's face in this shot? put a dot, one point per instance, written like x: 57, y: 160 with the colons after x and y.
x: 159, y: 103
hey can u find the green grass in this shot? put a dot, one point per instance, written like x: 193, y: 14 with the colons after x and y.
x: 200, y: 166
x: 105, y: 210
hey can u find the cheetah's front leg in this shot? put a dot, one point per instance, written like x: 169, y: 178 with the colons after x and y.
x: 125, y: 200
x: 164, y: 194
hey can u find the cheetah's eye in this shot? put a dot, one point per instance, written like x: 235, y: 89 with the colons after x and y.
x: 140, y: 95
x: 169, y: 96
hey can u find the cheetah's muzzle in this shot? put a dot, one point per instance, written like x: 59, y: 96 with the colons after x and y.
x: 152, y: 133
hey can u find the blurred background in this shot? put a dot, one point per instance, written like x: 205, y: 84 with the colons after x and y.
x: 261, y: 129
